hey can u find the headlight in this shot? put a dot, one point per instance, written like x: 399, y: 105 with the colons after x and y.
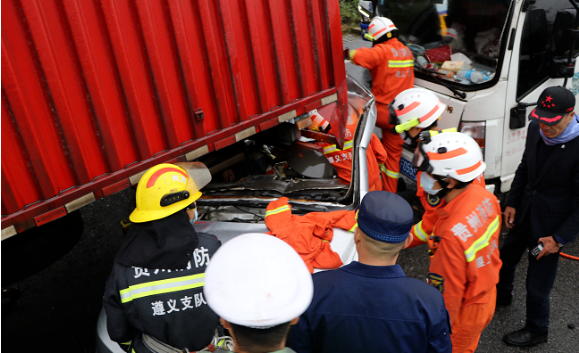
x: 476, y: 131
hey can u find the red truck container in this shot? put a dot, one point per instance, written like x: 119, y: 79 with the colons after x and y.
x: 94, y: 92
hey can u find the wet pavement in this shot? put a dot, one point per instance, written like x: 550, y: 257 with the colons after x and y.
x: 58, y: 307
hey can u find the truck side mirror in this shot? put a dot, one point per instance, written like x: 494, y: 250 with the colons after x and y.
x: 519, y: 115
x: 561, y: 67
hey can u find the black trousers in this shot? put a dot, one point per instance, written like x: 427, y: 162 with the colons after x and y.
x: 540, y: 275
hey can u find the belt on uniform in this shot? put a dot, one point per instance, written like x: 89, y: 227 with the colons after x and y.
x: 157, y: 346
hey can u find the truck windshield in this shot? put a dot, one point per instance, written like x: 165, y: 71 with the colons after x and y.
x: 458, y: 40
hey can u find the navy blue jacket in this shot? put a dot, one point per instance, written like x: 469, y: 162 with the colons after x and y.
x: 549, y: 195
x: 361, y: 308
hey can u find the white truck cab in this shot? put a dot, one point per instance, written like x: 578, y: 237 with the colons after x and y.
x: 488, y: 61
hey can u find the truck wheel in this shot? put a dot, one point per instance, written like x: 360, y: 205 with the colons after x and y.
x: 30, y: 252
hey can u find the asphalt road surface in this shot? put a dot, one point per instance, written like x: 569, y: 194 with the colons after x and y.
x: 58, y: 307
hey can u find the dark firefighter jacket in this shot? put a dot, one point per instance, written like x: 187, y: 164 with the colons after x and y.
x: 166, y: 303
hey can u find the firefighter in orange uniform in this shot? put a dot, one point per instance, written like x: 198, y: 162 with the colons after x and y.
x: 463, y: 249
x: 413, y: 111
x: 341, y: 159
x: 391, y: 66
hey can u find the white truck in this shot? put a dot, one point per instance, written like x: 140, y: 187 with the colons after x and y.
x: 518, y: 47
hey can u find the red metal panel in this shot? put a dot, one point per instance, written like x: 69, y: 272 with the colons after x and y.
x: 15, y: 167
x: 321, y: 33
x: 95, y: 91
x: 339, y: 69
x: 194, y: 67
x: 162, y: 53
x: 23, y: 84
x: 260, y: 27
x: 241, y: 64
x: 217, y: 59
x: 50, y: 216
x: 64, y: 78
x: 283, y: 39
x: 302, y: 23
x: 133, y: 65
x: 121, y: 185
x: 103, y: 83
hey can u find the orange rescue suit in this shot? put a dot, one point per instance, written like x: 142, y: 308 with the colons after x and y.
x: 310, y: 234
x: 423, y: 229
x: 391, y: 66
x: 342, y: 159
x: 465, y: 262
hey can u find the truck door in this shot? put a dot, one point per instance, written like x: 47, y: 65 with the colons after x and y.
x: 539, y: 49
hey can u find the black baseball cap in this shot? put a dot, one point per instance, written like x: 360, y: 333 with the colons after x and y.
x: 553, y: 104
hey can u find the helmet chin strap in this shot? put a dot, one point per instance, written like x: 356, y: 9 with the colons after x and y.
x: 443, y: 184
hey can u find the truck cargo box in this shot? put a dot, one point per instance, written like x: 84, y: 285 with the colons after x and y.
x: 96, y: 92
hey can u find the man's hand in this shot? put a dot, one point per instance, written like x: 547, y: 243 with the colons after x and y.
x: 549, y: 246
x: 510, y: 217
x: 352, y: 53
x: 228, y: 175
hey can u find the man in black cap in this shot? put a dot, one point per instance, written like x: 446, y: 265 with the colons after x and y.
x: 370, y: 305
x: 542, y: 208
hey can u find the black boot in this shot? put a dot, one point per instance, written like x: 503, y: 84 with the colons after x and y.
x: 523, y: 337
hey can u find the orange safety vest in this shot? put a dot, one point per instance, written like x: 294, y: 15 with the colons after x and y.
x: 391, y: 66
x: 423, y: 229
x: 464, y: 250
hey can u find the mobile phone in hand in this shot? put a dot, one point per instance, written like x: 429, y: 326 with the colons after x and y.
x: 537, y: 250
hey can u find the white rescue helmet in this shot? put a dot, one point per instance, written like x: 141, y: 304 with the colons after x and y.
x: 259, y: 281
x: 379, y: 27
x: 415, y: 107
x: 450, y: 154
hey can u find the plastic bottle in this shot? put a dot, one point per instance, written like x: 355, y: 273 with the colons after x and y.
x: 473, y: 76
x: 463, y: 75
x: 446, y: 73
x: 422, y: 61
x: 480, y: 76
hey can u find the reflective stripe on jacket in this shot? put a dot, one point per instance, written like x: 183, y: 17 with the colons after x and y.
x: 423, y: 229
x: 465, y: 261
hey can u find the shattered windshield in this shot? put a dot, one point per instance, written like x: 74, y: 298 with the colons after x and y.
x: 457, y: 40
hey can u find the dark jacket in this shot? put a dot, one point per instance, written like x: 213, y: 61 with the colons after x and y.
x: 361, y: 308
x: 550, y: 196
x: 167, y: 304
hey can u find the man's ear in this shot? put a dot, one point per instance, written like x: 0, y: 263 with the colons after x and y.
x: 452, y: 183
x: 225, y: 324
x: 356, y: 235
x: 295, y: 321
x: 408, y: 241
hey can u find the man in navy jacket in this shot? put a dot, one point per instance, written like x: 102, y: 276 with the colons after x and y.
x: 542, y: 207
x: 370, y: 305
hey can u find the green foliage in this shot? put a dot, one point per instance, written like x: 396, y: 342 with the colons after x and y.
x: 350, y: 15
